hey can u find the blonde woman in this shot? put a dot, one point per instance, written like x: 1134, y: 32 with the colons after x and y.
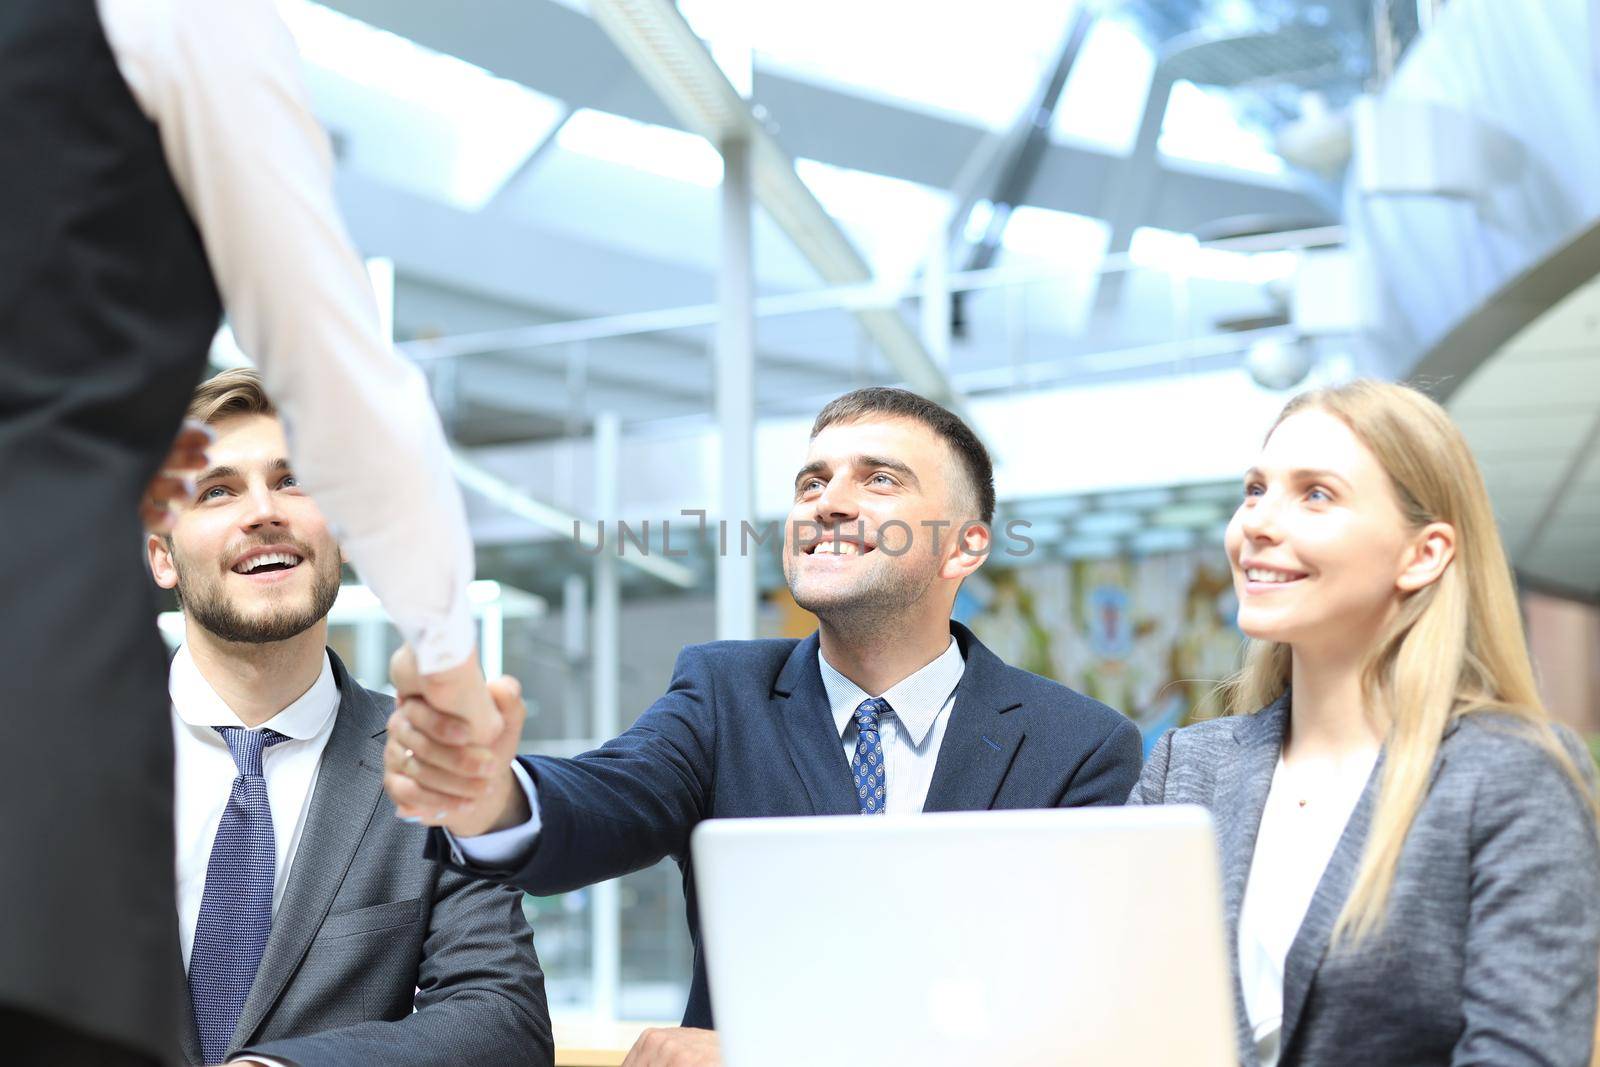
x: 1411, y: 871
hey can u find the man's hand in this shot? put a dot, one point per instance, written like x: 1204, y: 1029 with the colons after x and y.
x: 458, y: 691
x: 679, y: 1046
x: 169, y: 487
x: 436, y: 774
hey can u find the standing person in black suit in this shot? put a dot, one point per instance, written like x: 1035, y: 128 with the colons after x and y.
x: 161, y: 163
x: 890, y: 706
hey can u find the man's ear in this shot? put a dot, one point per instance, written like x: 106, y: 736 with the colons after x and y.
x: 1427, y: 557
x: 158, y: 553
x: 974, y: 540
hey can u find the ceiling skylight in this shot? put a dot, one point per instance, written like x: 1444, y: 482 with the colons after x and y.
x: 658, y: 150
x: 1072, y: 247
x: 981, y: 62
x: 419, y: 119
x: 891, y: 220
x: 1045, y: 236
x: 1105, y: 94
x: 1201, y: 125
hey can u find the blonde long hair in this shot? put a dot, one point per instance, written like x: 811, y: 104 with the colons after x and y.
x: 1455, y: 648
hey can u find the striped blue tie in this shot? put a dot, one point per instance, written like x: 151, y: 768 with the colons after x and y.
x: 236, y: 908
x: 867, y: 768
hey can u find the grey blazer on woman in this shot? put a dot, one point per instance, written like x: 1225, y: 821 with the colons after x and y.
x: 1491, y: 949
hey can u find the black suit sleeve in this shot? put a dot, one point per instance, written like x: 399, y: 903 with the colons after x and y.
x: 1110, y: 772
x: 480, y: 994
x: 627, y: 804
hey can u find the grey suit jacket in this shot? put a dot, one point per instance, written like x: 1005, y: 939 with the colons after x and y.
x: 367, y: 928
x: 1491, y: 948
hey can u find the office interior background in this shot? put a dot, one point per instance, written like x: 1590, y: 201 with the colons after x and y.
x: 636, y: 246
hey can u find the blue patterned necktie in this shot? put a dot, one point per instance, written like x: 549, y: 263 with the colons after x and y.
x: 236, y: 908
x: 871, y: 775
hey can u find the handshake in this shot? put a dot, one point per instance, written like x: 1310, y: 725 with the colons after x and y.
x: 452, y: 738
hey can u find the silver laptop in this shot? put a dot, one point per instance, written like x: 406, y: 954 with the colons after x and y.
x: 1089, y: 936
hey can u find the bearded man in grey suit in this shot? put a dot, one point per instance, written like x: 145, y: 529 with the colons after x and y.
x: 312, y: 930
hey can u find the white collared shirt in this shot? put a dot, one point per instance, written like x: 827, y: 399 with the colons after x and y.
x: 205, y: 774
x: 223, y: 85
x: 1293, y: 846
x: 911, y: 732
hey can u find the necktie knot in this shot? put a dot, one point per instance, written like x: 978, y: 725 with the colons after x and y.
x: 869, y: 711
x: 247, y: 747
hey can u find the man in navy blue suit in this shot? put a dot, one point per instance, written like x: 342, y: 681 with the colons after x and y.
x: 889, y: 706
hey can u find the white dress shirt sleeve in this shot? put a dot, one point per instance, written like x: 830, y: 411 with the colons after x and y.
x: 502, y: 848
x: 222, y: 82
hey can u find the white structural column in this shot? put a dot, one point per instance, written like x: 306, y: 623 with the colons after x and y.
x: 736, y: 332
x: 575, y: 643
x: 605, y: 923
x: 676, y: 63
x: 937, y: 303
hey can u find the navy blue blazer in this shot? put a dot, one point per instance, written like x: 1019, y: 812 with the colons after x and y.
x: 746, y: 730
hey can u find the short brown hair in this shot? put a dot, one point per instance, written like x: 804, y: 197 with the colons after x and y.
x: 946, y: 425
x: 232, y: 392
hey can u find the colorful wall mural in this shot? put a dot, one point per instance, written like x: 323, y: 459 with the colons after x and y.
x: 1150, y: 636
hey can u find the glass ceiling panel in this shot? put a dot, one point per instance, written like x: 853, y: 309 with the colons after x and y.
x: 1076, y: 244
x: 978, y: 61
x: 418, y: 119
x: 1104, y: 97
x: 1202, y: 125
x: 1040, y: 235
x: 892, y: 221
x: 658, y: 150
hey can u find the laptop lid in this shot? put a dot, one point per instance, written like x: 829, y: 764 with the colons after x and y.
x: 1082, y: 936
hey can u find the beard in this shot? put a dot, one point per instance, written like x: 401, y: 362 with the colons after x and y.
x: 205, y: 601
x: 879, y: 596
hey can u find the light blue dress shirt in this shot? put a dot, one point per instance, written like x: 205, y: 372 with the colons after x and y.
x: 912, y: 731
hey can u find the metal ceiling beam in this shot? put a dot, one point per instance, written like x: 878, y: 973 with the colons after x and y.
x: 1128, y: 201
x: 664, y: 49
x: 1016, y: 165
x: 539, y: 274
x: 1024, y: 147
x: 525, y: 367
x: 531, y: 161
x: 499, y: 258
x: 557, y: 51
x: 1486, y: 328
x: 836, y: 126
